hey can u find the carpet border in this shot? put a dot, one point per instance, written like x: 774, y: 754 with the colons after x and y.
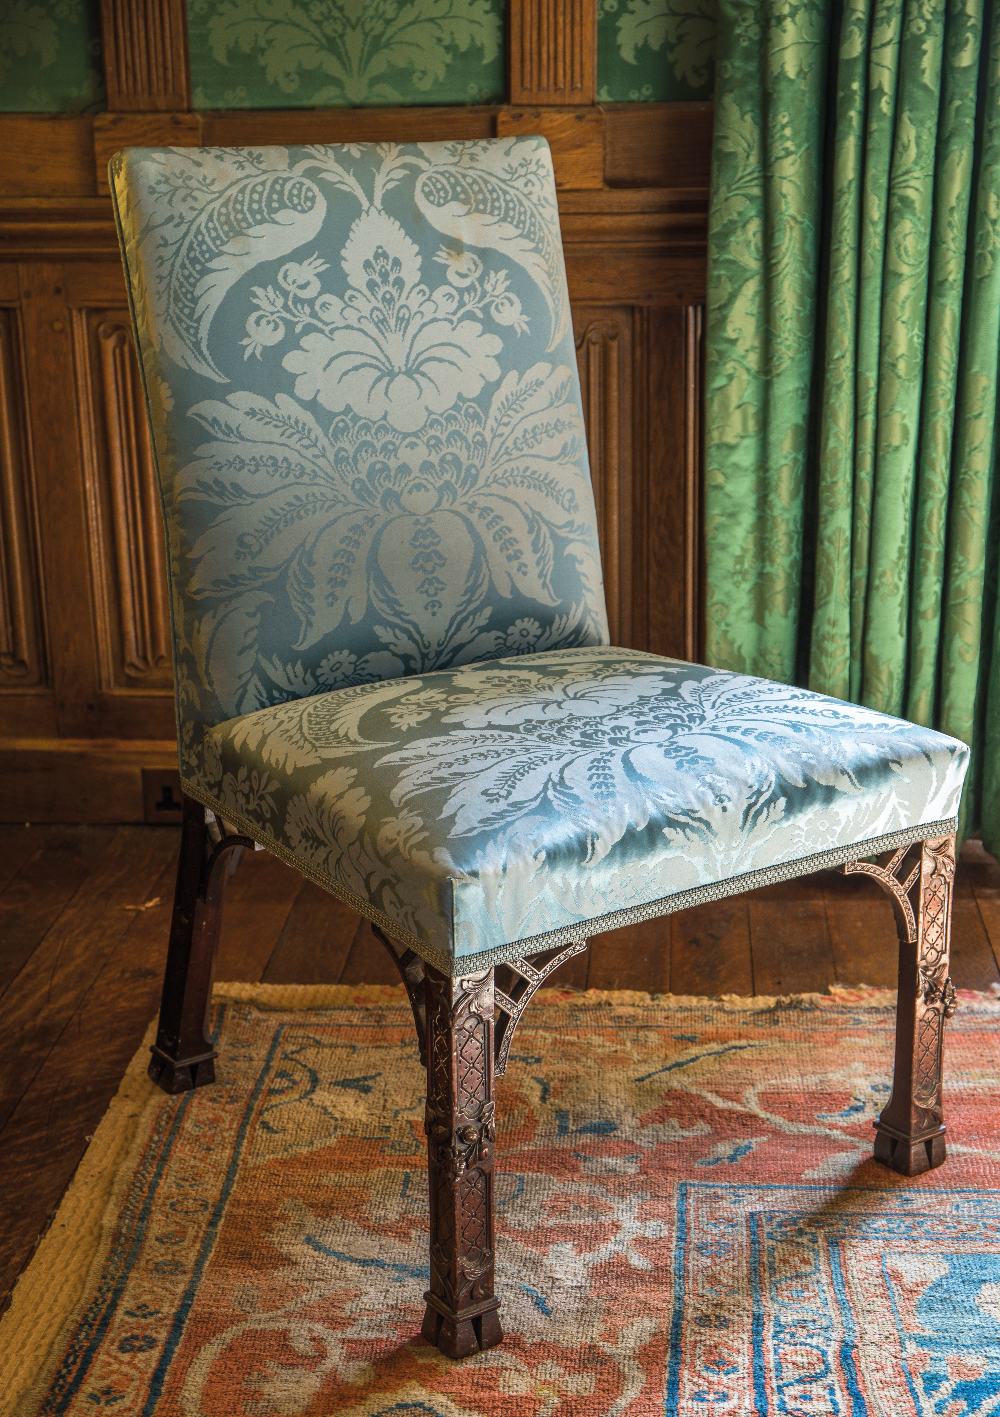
x: 58, y: 1274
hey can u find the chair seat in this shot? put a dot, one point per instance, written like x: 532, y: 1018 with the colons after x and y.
x: 482, y: 812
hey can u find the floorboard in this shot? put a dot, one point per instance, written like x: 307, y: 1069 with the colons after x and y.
x: 315, y: 941
x: 790, y: 941
x: 84, y: 916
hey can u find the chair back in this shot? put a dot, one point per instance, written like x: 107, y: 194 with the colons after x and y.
x: 365, y: 409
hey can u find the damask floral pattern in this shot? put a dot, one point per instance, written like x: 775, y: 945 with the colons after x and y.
x: 853, y: 369
x: 362, y: 383
x: 293, y: 53
x: 50, y: 56
x: 389, y: 620
x: 655, y: 49
x: 481, y: 806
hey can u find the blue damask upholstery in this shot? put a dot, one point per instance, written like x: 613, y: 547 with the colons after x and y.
x: 390, y: 636
x: 538, y: 796
x: 362, y: 385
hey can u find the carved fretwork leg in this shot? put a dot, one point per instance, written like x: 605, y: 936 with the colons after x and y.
x: 454, y: 1019
x: 183, y: 1056
x: 910, y: 1131
x: 461, y: 1315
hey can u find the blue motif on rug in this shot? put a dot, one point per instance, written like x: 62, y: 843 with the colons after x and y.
x: 860, y: 1301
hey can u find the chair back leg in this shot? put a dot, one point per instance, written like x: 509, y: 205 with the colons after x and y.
x: 183, y: 1056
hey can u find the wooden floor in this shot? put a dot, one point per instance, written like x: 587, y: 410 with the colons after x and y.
x: 84, y: 913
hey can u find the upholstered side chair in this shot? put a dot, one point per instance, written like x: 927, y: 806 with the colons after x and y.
x: 391, y: 648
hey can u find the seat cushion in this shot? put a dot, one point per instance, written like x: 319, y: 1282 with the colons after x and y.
x: 503, y: 806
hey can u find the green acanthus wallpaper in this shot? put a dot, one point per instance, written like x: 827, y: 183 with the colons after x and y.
x: 334, y: 53
x: 326, y: 53
x: 50, y: 56
x: 655, y: 50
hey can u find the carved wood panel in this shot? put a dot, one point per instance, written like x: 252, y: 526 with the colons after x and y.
x: 22, y: 657
x: 640, y: 381
x: 552, y: 51
x: 129, y: 564
x: 608, y: 347
x: 145, y: 54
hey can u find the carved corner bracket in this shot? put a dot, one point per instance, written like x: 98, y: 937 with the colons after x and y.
x: 522, y: 978
x: 516, y: 984
x: 919, y: 879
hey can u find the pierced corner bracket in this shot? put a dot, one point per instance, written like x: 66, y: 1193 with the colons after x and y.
x: 523, y: 977
x: 919, y: 878
x: 517, y: 982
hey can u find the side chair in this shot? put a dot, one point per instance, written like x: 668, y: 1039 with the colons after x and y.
x: 391, y: 646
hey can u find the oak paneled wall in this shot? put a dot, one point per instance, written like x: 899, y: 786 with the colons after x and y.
x: 129, y: 570
x: 86, y: 716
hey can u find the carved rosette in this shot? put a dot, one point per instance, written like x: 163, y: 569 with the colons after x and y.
x: 919, y: 881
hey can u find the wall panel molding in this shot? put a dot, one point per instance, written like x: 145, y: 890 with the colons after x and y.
x: 128, y: 555
x: 605, y: 347
x: 22, y: 655
x: 552, y: 51
x: 145, y: 55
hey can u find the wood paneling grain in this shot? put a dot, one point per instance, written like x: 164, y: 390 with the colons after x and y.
x: 670, y: 496
x: 552, y: 51
x: 22, y: 655
x: 659, y: 145
x: 575, y: 135
x: 145, y: 51
x: 77, y: 780
x: 46, y: 155
x: 606, y: 347
x: 133, y: 616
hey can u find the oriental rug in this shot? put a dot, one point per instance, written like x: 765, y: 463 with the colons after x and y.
x: 689, y: 1223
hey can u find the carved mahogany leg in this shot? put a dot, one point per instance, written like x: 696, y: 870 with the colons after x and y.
x: 182, y: 1056
x: 461, y: 1315
x: 910, y: 1131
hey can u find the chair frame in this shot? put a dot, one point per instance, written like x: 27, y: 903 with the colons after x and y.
x: 464, y: 1027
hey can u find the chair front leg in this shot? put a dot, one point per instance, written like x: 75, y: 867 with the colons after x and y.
x: 910, y: 1131
x: 461, y: 1315
x: 183, y: 1056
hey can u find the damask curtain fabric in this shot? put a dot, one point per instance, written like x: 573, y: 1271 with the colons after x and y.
x: 852, y: 487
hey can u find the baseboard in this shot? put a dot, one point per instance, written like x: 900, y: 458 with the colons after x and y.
x: 88, y: 780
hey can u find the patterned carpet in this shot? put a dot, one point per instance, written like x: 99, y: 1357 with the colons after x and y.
x: 689, y: 1223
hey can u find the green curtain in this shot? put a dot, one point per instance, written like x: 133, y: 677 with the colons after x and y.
x: 852, y: 494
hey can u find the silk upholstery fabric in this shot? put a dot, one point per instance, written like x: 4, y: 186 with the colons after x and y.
x: 507, y: 800
x: 390, y: 634
x: 363, y: 387
x: 852, y: 492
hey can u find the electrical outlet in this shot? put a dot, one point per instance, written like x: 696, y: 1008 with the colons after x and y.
x: 161, y: 795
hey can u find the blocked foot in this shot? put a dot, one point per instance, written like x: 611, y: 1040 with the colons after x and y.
x: 461, y: 1335
x: 910, y: 1156
x: 173, y: 1076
